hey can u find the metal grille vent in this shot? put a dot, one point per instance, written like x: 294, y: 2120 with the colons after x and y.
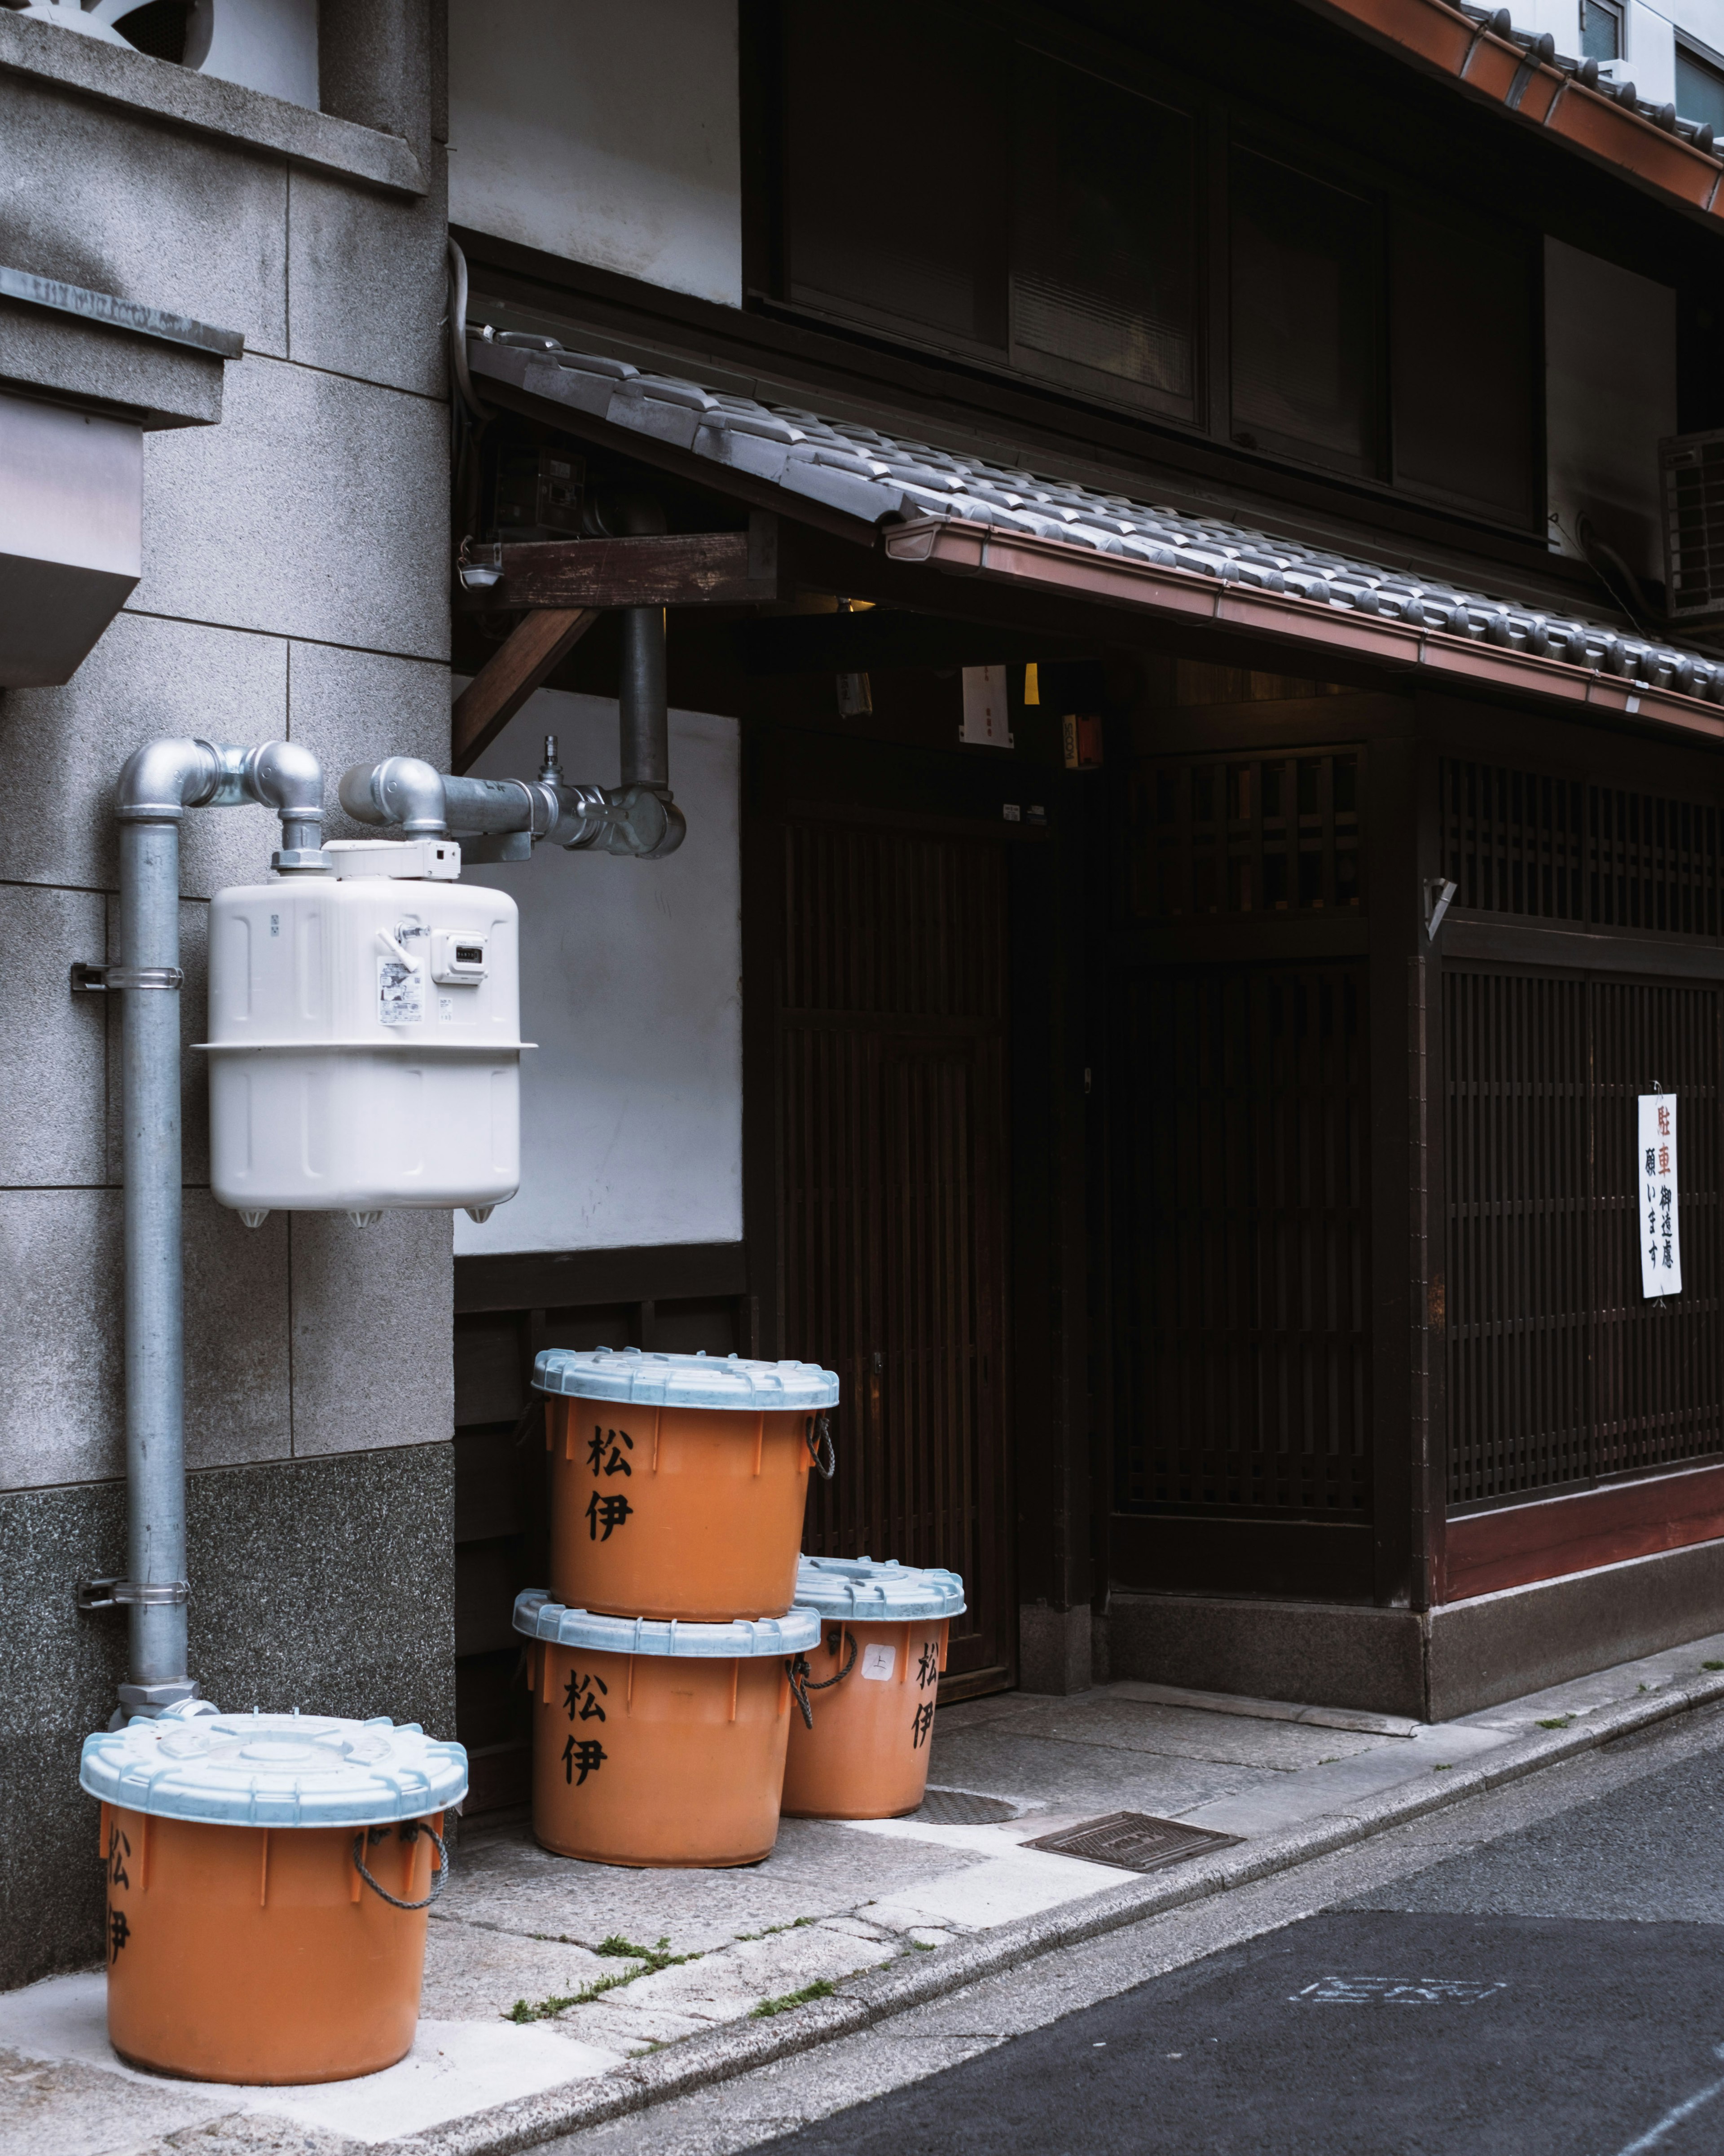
x: 963, y: 1808
x: 1691, y: 483
x: 1134, y: 1842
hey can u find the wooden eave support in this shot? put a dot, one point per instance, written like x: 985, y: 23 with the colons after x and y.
x: 567, y: 584
x: 534, y: 647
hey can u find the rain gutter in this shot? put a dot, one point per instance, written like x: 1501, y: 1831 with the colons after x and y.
x: 962, y: 547
x: 1497, y: 69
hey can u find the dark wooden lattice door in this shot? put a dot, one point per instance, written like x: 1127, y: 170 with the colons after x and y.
x: 892, y: 1169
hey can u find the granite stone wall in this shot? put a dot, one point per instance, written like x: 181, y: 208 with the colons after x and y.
x: 327, y: 1584
x: 295, y: 584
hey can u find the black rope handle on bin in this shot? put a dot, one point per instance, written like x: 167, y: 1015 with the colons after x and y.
x: 819, y: 1438
x: 439, y: 1877
x: 802, y: 1680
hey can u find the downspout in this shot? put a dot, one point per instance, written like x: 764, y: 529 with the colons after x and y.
x: 642, y: 696
x: 159, y: 783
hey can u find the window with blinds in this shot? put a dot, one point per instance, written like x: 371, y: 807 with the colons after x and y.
x: 1560, y: 1373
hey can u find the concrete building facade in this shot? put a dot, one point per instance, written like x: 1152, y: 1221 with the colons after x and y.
x: 295, y: 585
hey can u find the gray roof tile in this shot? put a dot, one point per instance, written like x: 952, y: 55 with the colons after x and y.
x: 864, y: 472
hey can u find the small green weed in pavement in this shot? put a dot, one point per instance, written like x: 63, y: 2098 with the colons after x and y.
x: 923, y: 1946
x: 1712, y: 1665
x: 651, y: 1960
x: 1443, y: 1766
x: 819, y: 1988
x: 795, y: 1924
x: 1556, y: 1721
x: 655, y: 1958
x: 545, y: 2009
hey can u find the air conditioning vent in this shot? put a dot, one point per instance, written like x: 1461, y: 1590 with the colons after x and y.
x: 1691, y: 479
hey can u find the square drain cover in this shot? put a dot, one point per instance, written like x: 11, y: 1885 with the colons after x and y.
x: 962, y: 1808
x: 1134, y: 1842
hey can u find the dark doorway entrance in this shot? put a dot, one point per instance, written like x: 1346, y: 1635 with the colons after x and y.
x: 890, y: 1057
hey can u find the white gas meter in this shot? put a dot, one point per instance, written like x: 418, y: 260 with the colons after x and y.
x: 365, y: 1037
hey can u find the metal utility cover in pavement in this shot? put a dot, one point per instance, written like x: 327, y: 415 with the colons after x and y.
x: 962, y: 1808
x: 1134, y: 1842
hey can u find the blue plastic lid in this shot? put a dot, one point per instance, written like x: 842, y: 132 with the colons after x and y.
x: 274, y: 1769
x: 541, y: 1619
x: 881, y: 1593
x: 683, y: 1381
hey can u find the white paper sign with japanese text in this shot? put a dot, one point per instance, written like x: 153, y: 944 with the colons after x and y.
x: 1660, y: 1239
x: 986, y: 721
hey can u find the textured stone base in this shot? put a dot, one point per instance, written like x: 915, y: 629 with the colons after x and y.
x: 1054, y: 1648
x: 1457, y: 1660
x: 1499, y: 1647
x: 327, y: 1584
x: 1322, y: 1653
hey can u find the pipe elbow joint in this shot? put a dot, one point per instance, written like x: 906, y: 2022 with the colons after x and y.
x: 284, y: 776
x: 401, y: 789
x: 164, y: 779
x: 645, y: 822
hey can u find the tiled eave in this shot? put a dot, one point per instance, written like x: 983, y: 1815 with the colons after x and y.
x: 964, y: 514
x: 1649, y: 146
x: 963, y: 548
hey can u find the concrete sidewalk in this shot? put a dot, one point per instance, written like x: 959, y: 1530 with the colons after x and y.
x: 547, y: 1981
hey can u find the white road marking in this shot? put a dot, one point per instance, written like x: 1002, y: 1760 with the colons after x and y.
x: 1654, y: 2134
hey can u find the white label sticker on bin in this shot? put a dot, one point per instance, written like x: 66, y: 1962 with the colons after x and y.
x: 877, y: 1662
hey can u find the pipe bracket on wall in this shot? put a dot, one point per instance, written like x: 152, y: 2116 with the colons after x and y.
x: 96, y: 980
x: 118, y: 1593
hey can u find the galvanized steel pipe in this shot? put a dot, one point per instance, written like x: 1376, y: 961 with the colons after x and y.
x: 159, y: 783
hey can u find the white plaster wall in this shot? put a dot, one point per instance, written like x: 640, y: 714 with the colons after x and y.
x: 1610, y: 394
x: 270, y: 45
x: 631, y: 1105
x: 603, y: 134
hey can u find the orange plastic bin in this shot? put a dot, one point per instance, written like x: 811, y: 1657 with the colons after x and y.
x: 872, y: 1687
x: 659, y: 1743
x: 267, y: 1876
x: 679, y: 1482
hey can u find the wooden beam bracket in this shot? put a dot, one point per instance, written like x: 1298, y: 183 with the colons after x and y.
x: 672, y: 568
x: 510, y: 676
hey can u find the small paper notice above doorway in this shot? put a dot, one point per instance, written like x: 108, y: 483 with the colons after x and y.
x: 985, y: 718
x: 1660, y: 1236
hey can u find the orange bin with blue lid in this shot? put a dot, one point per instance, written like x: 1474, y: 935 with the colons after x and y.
x: 658, y: 1743
x: 268, y: 1877
x: 679, y: 1482
x: 860, y: 1749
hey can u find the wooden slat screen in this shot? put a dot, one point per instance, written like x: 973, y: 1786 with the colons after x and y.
x: 892, y: 1161
x: 1244, y: 834
x: 1540, y: 847
x: 1245, y: 1244
x: 1559, y: 1374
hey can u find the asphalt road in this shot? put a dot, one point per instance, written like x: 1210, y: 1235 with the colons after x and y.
x: 1560, y: 1988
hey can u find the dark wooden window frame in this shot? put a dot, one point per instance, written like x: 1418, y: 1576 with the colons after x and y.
x: 1222, y: 124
